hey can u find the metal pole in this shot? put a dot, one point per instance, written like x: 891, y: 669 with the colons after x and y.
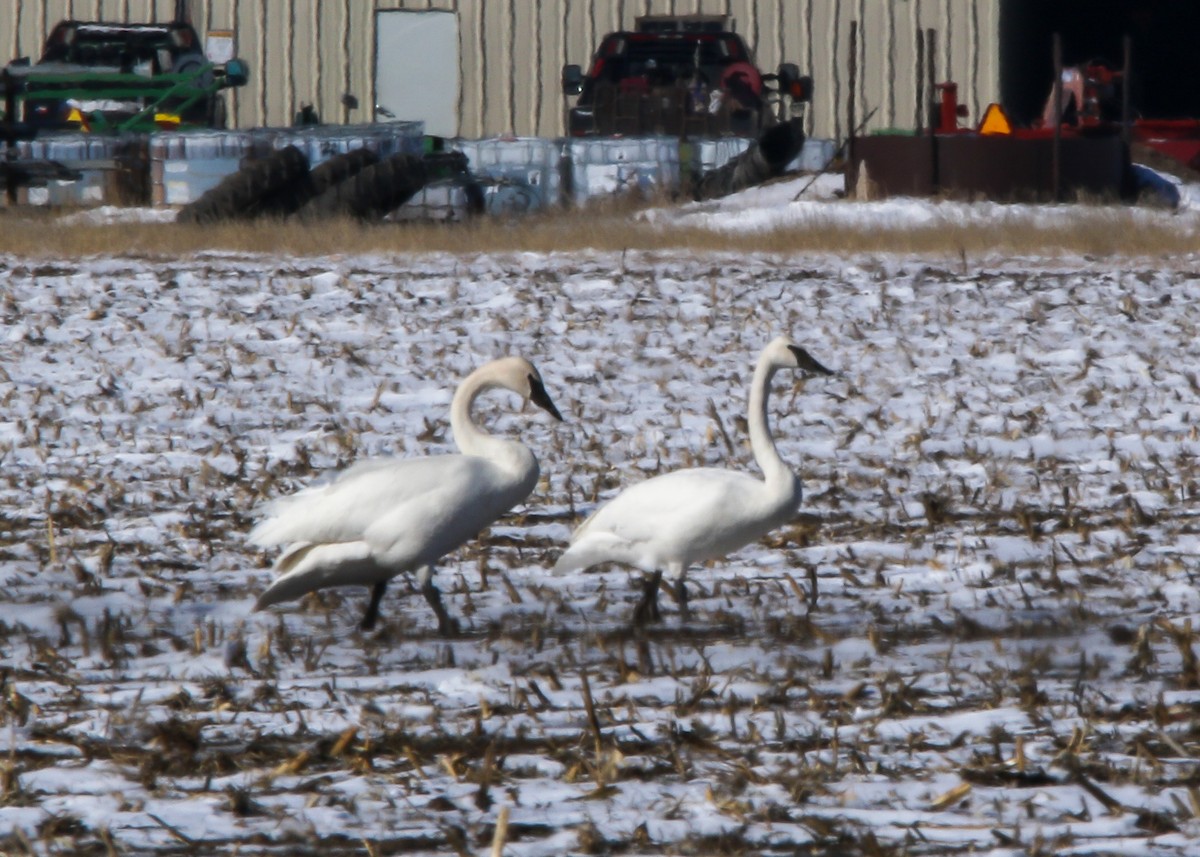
x: 1126, y: 115
x: 1056, y: 149
x: 10, y: 137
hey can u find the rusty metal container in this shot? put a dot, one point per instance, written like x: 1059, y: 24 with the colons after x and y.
x: 1012, y: 169
x: 895, y: 164
x: 996, y: 167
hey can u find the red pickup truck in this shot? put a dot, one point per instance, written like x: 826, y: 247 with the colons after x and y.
x: 682, y: 75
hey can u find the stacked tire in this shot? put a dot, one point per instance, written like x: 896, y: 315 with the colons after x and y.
x: 258, y: 189
x: 766, y: 158
x: 370, y: 193
x: 353, y: 184
x: 339, y: 168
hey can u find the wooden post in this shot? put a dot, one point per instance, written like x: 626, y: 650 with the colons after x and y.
x: 931, y: 67
x: 1056, y: 149
x: 920, y: 82
x: 851, y: 124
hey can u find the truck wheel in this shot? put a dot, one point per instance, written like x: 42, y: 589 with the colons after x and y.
x: 248, y: 192
x: 191, y: 64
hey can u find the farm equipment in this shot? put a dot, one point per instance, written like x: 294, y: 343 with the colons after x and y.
x: 120, y: 78
x: 692, y: 77
x: 1085, y: 141
x: 121, y: 101
x: 1093, y: 100
x: 689, y: 75
x: 1079, y: 148
x: 24, y: 172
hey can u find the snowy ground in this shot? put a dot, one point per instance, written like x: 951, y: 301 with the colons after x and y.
x: 976, y: 636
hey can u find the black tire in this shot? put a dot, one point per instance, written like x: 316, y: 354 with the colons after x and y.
x: 253, y: 191
x: 339, y: 168
x: 476, y: 199
x: 287, y: 198
x: 191, y: 64
x: 290, y: 198
x: 200, y: 112
x: 371, y: 193
x: 765, y: 159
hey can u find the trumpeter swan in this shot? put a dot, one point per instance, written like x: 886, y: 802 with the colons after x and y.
x: 381, y: 518
x: 688, y: 516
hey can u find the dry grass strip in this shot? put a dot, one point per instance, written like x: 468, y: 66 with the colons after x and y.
x: 1097, y: 231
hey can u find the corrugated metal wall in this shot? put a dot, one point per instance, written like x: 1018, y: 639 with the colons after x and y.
x: 512, y: 51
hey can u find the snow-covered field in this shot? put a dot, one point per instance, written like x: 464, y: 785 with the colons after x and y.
x: 976, y: 636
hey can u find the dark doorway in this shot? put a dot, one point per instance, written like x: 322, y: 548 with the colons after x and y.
x: 1165, y: 58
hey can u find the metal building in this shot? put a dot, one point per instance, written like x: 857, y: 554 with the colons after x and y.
x: 477, y: 68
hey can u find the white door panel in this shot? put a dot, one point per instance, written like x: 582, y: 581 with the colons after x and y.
x: 416, y: 68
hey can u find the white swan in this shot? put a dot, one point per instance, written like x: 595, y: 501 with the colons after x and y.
x: 382, y: 518
x: 689, y: 516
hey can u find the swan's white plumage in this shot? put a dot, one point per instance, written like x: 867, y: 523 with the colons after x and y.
x: 381, y: 518
x: 688, y: 516
x: 677, y: 518
x: 399, y: 513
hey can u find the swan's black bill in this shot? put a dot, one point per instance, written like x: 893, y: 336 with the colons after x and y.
x: 807, y: 362
x: 538, y: 395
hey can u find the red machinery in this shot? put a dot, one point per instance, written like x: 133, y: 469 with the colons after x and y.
x: 1092, y: 100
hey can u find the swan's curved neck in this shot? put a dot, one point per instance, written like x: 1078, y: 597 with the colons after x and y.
x: 762, y: 444
x: 470, y: 438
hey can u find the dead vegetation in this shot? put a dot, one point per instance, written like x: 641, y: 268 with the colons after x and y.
x: 978, y: 634
x: 1100, y: 231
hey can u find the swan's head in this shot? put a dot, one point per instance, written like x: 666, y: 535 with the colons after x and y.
x: 785, y: 354
x: 522, y: 377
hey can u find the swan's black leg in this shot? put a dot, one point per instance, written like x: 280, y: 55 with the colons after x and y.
x: 681, y: 596
x: 447, y: 627
x: 647, y: 608
x: 372, y: 614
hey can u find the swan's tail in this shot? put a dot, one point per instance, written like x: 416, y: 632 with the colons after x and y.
x: 309, y: 567
x: 267, y: 533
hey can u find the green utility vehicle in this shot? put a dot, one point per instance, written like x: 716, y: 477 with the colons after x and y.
x: 119, y: 77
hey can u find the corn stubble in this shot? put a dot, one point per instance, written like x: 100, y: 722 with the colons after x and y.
x: 844, y: 675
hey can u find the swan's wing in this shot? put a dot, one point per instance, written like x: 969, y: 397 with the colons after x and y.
x: 697, y: 496
x: 402, y: 537
x: 684, y: 516
x: 378, y: 498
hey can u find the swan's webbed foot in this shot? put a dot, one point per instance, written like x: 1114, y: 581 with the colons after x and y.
x: 372, y: 615
x: 447, y: 625
x: 647, y: 608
